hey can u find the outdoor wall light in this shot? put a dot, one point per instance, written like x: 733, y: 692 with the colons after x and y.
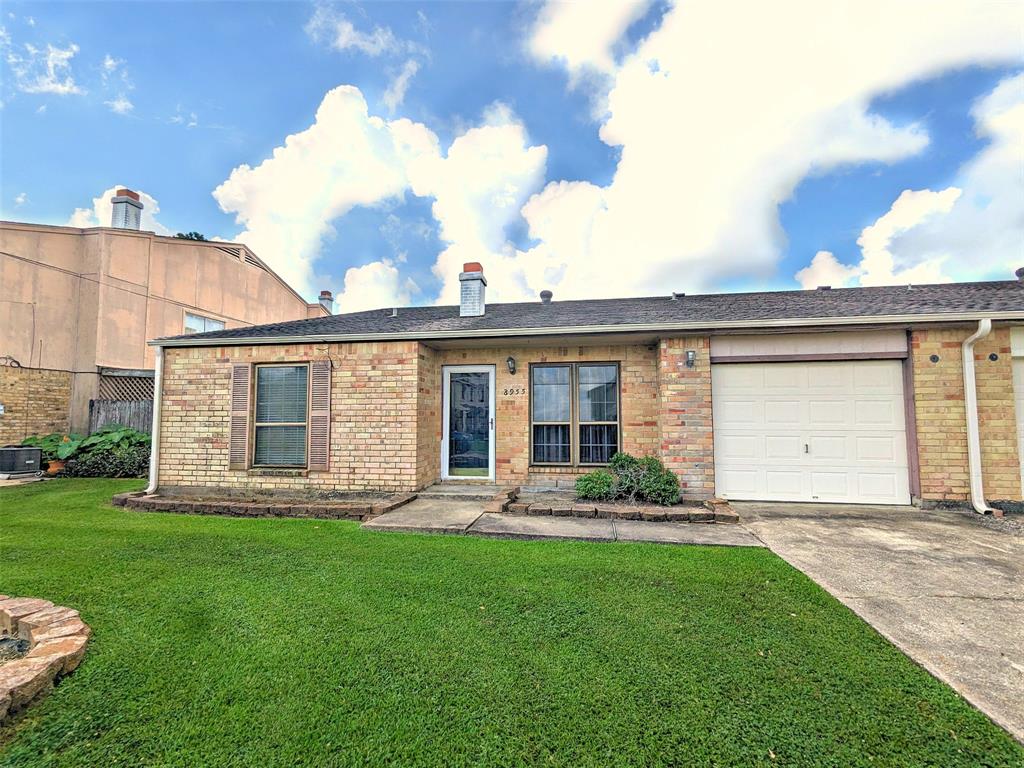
x: 691, y: 357
x: 511, y: 363
x: 993, y: 357
x: 934, y: 358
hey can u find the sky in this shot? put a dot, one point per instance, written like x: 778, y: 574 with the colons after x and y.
x: 595, y: 149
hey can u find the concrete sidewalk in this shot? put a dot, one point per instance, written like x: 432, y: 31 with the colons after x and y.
x: 450, y: 516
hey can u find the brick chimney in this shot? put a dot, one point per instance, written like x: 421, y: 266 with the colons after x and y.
x: 327, y: 301
x: 473, y: 283
x: 127, y: 212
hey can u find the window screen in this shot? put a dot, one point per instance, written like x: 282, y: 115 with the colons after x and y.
x: 280, y: 423
x: 574, y: 412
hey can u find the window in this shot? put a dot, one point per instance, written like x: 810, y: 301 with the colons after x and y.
x: 574, y: 411
x: 200, y: 324
x: 282, y: 393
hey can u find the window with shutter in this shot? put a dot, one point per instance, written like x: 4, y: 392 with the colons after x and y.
x: 280, y: 416
x: 238, y: 442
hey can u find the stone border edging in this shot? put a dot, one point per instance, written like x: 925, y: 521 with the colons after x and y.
x: 326, y: 510
x: 57, y: 639
x: 713, y: 511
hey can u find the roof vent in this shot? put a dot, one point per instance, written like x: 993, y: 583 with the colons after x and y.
x: 1020, y: 274
x: 545, y: 297
x: 824, y: 287
x: 394, y: 311
x: 677, y: 295
x: 127, y: 210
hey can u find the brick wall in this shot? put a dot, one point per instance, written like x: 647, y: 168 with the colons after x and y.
x: 684, y: 412
x: 373, y: 418
x: 941, y: 417
x: 639, y: 399
x: 428, y: 418
x: 36, y: 402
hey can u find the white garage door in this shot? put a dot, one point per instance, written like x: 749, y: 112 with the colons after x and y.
x: 810, y: 432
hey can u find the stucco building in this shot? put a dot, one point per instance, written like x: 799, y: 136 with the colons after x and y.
x: 77, y: 307
x: 882, y: 395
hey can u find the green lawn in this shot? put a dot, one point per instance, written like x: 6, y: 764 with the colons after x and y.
x: 231, y: 642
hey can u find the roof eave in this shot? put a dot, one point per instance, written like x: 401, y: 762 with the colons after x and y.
x: 945, y: 317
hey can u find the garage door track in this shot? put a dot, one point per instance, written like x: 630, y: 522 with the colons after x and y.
x: 941, y: 586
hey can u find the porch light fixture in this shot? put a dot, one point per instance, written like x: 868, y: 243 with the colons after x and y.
x: 691, y: 357
x: 511, y: 363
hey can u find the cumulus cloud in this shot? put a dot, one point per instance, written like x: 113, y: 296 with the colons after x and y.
x: 345, y: 158
x: 375, y: 286
x: 717, y: 122
x: 99, y: 215
x: 330, y: 27
x: 970, y: 230
x: 39, y: 70
x: 20, y: 199
x: 120, y: 105
x: 395, y: 93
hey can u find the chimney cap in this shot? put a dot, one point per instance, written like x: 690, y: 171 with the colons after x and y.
x: 545, y: 296
x: 124, y: 192
x: 472, y: 266
x: 326, y: 295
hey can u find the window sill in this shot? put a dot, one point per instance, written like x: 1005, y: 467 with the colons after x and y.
x: 277, y: 472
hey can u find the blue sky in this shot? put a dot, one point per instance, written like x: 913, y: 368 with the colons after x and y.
x: 600, y: 149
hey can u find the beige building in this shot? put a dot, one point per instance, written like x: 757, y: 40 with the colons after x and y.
x: 77, y: 307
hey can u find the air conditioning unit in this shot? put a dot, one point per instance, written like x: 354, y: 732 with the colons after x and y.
x: 18, y: 461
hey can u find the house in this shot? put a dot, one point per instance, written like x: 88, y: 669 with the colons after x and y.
x: 849, y: 395
x: 77, y: 307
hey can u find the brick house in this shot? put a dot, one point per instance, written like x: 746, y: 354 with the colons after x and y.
x: 871, y: 395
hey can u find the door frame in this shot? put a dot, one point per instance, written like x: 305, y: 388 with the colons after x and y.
x: 446, y: 372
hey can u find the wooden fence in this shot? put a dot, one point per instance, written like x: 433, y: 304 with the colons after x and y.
x: 137, y: 414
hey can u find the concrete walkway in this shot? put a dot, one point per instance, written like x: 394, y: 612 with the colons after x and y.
x: 452, y: 516
x: 946, y: 590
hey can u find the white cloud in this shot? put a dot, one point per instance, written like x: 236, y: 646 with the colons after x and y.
x: 121, y: 105
x: 826, y: 269
x: 30, y: 21
x: 328, y: 26
x: 345, y: 158
x: 100, y: 213
x: 719, y: 118
x: 395, y: 93
x: 44, y: 71
x: 189, y: 120
x: 110, y: 64
x: 20, y: 199
x: 375, y: 286
x: 41, y: 109
x: 971, y: 230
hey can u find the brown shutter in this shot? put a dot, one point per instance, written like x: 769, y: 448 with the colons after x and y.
x: 238, y: 448
x: 320, y: 415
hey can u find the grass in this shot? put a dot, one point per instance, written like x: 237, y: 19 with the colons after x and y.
x: 232, y: 642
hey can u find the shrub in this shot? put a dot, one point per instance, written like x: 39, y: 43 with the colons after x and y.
x: 599, y: 485
x: 56, y: 445
x: 119, y: 461
x: 634, y: 480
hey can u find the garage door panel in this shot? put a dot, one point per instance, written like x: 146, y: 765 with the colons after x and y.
x: 811, y: 431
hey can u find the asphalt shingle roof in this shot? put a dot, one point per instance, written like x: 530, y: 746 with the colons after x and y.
x: 732, y: 308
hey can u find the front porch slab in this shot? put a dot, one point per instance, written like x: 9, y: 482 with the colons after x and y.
x: 501, y: 526
x: 429, y: 516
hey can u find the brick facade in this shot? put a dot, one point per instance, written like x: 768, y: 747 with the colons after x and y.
x: 684, y: 414
x: 386, y: 413
x: 941, y: 416
x: 35, y: 401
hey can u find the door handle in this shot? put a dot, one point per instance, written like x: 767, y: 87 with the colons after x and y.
x: 492, y: 423
x: 807, y: 448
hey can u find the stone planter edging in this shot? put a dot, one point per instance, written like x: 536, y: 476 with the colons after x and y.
x: 57, y: 639
x: 323, y: 510
x: 507, y: 502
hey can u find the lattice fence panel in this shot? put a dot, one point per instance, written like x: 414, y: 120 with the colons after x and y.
x: 126, y: 387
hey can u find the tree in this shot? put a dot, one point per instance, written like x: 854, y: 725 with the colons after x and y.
x: 191, y: 236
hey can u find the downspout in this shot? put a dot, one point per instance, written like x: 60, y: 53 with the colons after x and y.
x: 158, y: 393
x: 971, y: 406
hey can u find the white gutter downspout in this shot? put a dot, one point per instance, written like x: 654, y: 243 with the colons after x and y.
x: 154, y: 453
x: 971, y: 405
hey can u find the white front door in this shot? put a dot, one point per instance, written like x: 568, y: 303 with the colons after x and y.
x: 467, y: 444
x: 810, y: 432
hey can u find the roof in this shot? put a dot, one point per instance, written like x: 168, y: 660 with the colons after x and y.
x: 925, y: 303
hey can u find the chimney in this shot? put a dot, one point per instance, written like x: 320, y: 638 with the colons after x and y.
x: 127, y: 213
x: 545, y: 297
x: 327, y: 301
x: 472, y: 294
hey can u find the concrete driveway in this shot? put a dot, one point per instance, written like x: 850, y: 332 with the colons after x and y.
x: 946, y: 590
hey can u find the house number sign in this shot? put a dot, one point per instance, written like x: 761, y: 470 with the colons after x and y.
x: 509, y: 391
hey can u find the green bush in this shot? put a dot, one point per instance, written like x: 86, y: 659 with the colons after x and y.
x: 599, y: 486
x: 631, y: 479
x: 119, y: 461
x: 111, y: 451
